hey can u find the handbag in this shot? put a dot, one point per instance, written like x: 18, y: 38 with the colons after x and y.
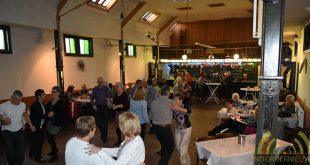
x: 52, y: 129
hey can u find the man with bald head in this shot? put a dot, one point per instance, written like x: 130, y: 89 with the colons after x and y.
x: 98, y: 99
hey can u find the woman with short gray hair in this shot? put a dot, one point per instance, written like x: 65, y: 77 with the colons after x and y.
x: 120, y: 105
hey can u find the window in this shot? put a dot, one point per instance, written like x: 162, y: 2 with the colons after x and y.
x: 105, y: 5
x: 5, y: 40
x: 130, y: 50
x: 149, y: 17
x: 78, y: 46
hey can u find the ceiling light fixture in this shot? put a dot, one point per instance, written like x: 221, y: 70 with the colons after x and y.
x: 184, y: 57
x: 236, y: 56
x: 211, y: 56
x: 151, y: 36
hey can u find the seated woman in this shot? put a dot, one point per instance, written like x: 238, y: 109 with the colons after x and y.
x: 83, y: 92
x: 131, y: 151
x: 237, y: 103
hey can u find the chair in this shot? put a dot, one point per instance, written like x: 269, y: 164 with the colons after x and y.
x: 199, y: 139
x: 226, y: 135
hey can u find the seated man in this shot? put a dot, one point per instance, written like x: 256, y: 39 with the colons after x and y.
x: 235, y: 124
x: 229, y: 110
x: 75, y: 148
x: 288, y: 108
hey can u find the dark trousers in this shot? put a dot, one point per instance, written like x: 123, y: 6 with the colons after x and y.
x: 233, y: 127
x: 37, y: 139
x: 165, y: 138
x: 119, y: 135
x: 14, y: 146
x: 52, y: 142
x: 143, y: 130
x: 102, y: 120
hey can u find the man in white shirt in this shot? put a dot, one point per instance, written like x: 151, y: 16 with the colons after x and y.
x: 75, y: 148
x: 12, y: 113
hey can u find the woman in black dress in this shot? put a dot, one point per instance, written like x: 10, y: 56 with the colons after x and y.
x: 120, y: 105
x: 56, y: 118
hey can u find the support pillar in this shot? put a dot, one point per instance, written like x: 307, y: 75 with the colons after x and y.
x: 156, y: 60
x: 59, y: 60
x: 270, y: 79
x: 121, y: 59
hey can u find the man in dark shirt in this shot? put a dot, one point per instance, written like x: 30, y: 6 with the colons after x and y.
x: 100, y: 104
x: 229, y: 84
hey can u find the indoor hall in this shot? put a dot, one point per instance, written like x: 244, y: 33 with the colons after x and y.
x: 232, y: 76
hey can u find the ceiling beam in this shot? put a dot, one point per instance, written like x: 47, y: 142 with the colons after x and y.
x: 166, y: 25
x: 61, y: 4
x: 132, y: 13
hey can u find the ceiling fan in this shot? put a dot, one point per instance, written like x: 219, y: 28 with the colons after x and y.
x: 204, y: 45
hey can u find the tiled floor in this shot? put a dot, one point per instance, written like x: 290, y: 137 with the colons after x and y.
x: 203, y: 119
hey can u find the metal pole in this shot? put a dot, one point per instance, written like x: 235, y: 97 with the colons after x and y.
x: 121, y: 57
x: 156, y: 59
x: 59, y: 60
x: 266, y: 135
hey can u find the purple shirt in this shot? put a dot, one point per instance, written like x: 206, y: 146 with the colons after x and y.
x: 99, y: 95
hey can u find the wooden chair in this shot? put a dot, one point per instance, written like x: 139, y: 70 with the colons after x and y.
x: 199, y: 139
x: 226, y: 135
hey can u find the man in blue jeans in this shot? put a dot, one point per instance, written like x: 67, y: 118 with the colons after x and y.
x: 12, y: 113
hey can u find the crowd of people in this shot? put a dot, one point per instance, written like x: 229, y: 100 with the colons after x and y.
x: 144, y: 105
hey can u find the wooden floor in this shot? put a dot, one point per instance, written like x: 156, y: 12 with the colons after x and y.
x: 203, y: 119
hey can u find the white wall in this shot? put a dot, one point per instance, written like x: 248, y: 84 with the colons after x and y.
x: 137, y: 68
x: 304, y: 76
x: 32, y: 64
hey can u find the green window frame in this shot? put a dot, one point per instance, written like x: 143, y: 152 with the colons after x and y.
x: 130, y: 50
x: 5, y: 40
x: 78, y: 46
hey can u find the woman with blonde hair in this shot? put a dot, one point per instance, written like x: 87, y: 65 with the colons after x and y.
x: 138, y: 106
x: 131, y: 151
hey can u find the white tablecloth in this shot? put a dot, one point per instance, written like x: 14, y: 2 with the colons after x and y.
x: 228, y: 151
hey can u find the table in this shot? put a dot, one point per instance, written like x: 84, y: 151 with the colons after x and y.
x: 228, y: 151
x: 74, y: 107
x: 250, y: 91
x: 82, y: 100
x: 249, y: 103
x: 212, y: 88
